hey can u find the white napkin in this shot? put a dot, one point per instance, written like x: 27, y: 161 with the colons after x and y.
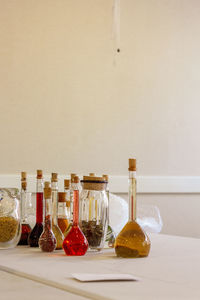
x: 104, y: 277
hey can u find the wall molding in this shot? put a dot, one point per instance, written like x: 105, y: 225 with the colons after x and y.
x: 119, y: 184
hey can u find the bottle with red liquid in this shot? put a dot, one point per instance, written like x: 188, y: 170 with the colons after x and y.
x: 47, y: 240
x: 75, y: 243
x: 25, y: 227
x: 38, y: 228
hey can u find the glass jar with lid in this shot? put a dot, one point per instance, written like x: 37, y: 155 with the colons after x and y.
x: 94, y: 211
x: 10, y: 226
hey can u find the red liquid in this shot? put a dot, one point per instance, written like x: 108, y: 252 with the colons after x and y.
x: 75, y: 242
x: 47, y: 241
x: 39, y: 208
x: 26, y: 229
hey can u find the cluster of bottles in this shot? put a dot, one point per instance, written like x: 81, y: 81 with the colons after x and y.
x: 57, y: 216
x: 59, y: 228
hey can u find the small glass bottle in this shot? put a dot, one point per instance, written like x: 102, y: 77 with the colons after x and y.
x: 75, y: 243
x: 56, y: 229
x: 132, y: 241
x: 38, y: 228
x: 26, y: 228
x: 63, y: 215
x: 47, y: 240
x: 110, y: 235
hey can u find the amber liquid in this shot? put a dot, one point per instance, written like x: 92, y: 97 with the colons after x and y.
x: 63, y: 224
x: 132, y: 241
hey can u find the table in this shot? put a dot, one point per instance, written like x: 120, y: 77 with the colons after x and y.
x: 172, y: 271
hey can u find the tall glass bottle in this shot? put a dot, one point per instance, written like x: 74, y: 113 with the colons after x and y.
x: 132, y: 241
x: 47, y: 240
x: 26, y: 228
x: 56, y: 230
x: 110, y: 235
x: 38, y: 228
x: 63, y: 216
x: 71, y: 197
x: 75, y: 242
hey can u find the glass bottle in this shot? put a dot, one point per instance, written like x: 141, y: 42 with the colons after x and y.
x: 132, y: 241
x: 26, y: 228
x: 75, y: 242
x: 110, y: 235
x: 94, y: 211
x: 10, y: 225
x: 47, y: 240
x: 56, y: 229
x: 38, y: 228
x: 63, y: 215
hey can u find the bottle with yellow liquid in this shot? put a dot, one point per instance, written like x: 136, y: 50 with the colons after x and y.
x: 132, y: 241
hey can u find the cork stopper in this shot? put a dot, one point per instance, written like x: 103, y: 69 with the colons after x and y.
x: 92, y: 174
x: 62, y: 197
x: 47, y: 193
x: 72, y: 177
x: 47, y: 184
x: 94, y: 183
x: 23, y: 176
x: 54, y: 177
x: 67, y: 184
x: 76, y: 179
x: 39, y: 174
x: 132, y: 164
x: 24, y: 185
x: 105, y: 177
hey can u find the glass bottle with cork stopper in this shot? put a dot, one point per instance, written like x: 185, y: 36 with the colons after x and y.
x: 71, y: 196
x: 110, y: 235
x: 25, y: 227
x: 63, y: 215
x: 38, y: 228
x: 47, y: 240
x: 75, y: 243
x: 132, y: 241
x: 56, y: 229
x: 94, y: 211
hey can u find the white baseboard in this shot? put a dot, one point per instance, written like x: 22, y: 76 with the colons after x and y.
x: 119, y: 184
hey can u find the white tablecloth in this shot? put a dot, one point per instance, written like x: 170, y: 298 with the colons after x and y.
x: 172, y: 270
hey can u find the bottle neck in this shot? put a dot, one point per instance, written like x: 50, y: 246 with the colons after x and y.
x: 48, y: 214
x: 76, y: 207
x: 39, y: 185
x: 23, y: 207
x: 132, y: 196
x: 54, y: 187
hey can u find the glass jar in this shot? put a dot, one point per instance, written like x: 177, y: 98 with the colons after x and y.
x: 94, y: 211
x: 10, y: 225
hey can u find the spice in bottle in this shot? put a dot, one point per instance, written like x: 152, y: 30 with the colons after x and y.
x: 47, y: 240
x: 25, y: 227
x: 56, y: 230
x: 63, y: 216
x: 75, y: 242
x: 38, y: 228
x: 132, y: 241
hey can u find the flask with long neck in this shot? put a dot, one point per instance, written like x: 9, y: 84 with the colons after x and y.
x: 132, y: 241
x: 75, y: 242
x: 47, y: 240
x: 26, y: 229
x: 56, y: 229
x: 38, y: 228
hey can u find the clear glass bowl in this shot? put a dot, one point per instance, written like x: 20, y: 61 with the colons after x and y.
x: 10, y: 225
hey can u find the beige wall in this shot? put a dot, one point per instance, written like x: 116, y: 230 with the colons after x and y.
x: 65, y: 105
